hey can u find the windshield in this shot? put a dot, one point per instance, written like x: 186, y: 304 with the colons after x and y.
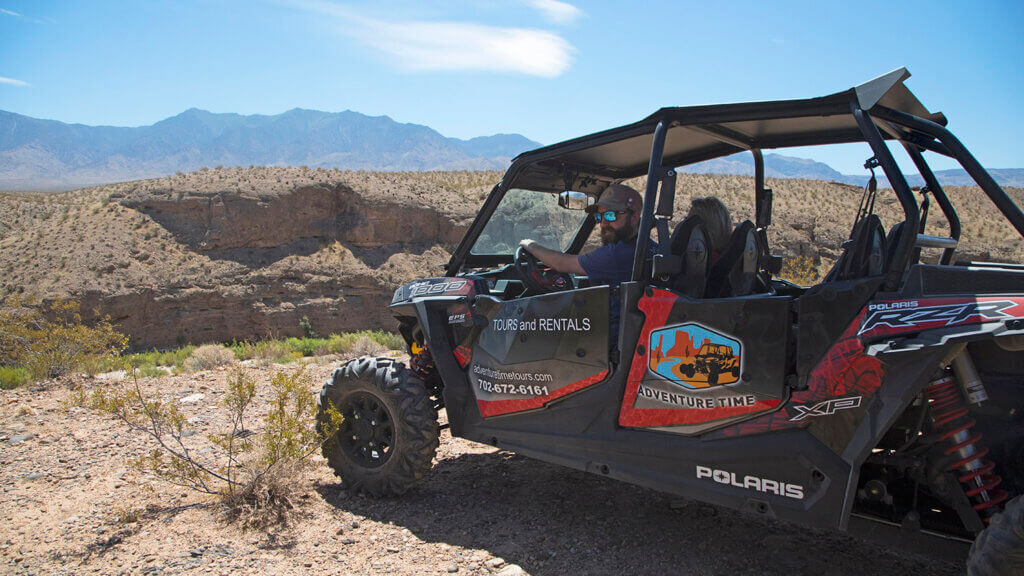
x: 528, y: 214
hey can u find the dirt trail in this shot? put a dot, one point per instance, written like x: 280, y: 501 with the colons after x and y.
x: 71, y: 504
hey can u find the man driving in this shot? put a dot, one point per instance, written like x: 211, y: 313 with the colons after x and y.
x: 618, y: 214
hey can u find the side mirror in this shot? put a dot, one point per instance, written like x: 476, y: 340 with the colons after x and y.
x: 571, y: 200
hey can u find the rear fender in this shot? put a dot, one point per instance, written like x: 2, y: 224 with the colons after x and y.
x: 905, y: 326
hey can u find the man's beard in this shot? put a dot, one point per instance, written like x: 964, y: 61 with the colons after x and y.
x: 612, y: 235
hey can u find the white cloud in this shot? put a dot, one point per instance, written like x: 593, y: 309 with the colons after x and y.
x: 12, y: 81
x: 453, y: 46
x: 464, y: 46
x: 21, y: 16
x: 556, y: 11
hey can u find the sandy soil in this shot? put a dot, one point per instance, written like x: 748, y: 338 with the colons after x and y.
x: 71, y: 504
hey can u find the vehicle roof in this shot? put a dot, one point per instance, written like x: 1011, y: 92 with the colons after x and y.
x: 699, y: 133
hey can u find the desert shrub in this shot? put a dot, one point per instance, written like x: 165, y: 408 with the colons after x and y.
x: 364, y: 342
x: 11, y: 378
x: 800, y: 270
x: 152, y: 371
x: 389, y: 340
x: 291, y: 349
x: 334, y: 344
x: 307, y: 328
x: 209, y: 356
x: 51, y: 339
x: 305, y: 346
x: 273, y: 351
x: 171, y: 358
x: 147, y: 361
x: 242, y: 350
x: 253, y: 475
x: 366, y: 346
x: 276, y: 351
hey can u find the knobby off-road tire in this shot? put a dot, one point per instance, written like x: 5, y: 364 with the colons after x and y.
x: 999, y: 549
x: 390, y: 432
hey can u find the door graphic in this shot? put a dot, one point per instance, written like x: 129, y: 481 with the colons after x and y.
x: 702, y: 364
x: 695, y: 357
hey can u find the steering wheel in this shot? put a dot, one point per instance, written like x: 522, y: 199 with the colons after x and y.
x: 536, y: 276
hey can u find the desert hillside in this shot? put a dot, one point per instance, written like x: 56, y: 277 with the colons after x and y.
x: 241, y: 254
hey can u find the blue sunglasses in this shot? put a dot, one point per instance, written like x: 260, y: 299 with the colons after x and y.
x: 607, y: 216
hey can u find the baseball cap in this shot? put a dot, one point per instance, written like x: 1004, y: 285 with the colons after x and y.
x: 618, y: 197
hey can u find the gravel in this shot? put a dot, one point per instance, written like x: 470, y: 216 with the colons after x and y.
x: 480, y: 511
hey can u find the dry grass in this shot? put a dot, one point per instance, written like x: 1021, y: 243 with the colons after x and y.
x: 209, y: 356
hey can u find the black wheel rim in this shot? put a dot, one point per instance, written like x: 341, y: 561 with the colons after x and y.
x: 367, y: 433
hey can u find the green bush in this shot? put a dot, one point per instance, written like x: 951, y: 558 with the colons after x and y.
x: 51, y: 339
x: 389, y: 340
x: 242, y: 350
x: 152, y: 371
x: 274, y: 351
x: 147, y: 361
x: 359, y: 342
x: 306, y: 346
x: 307, y: 328
x: 11, y: 378
x: 171, y: 358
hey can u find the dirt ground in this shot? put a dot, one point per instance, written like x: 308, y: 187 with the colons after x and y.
x: 71, y: 504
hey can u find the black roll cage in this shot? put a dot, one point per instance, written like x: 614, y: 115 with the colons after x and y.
x: 878, y: 110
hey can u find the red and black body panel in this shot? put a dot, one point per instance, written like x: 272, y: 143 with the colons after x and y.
x: 888, y: 318
x: 535, y: 375
x: 577, y: 421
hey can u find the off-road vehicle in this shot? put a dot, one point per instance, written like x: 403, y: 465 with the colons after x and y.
x: 714, y: 359
x: 888, y: 398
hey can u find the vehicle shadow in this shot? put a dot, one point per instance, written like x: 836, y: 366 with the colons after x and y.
x: 552, y: 521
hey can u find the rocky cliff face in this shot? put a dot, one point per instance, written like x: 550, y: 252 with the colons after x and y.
x: 261, y: 232
x: 212, y: 222
x: 227, y: 255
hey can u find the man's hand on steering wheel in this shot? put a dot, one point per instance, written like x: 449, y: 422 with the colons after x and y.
x: 538, y: 277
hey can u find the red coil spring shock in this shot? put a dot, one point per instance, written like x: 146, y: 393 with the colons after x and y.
x: 421, y: 362
x: 950, y: 419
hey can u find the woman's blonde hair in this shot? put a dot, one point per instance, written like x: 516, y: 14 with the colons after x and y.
x: 717, y: 221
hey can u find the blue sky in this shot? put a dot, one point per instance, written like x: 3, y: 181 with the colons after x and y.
x: 547, y: 69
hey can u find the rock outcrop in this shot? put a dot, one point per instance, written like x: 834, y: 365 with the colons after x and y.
x: 237, y: 254
x: 230, y: 220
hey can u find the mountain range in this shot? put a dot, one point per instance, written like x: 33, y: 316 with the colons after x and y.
x: 50, y: 155
x: 779, y: 166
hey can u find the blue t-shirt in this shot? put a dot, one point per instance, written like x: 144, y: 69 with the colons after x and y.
x: 612, y: 264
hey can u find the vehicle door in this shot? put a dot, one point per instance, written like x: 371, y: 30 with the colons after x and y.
x: 536, y: 350
x: 700, y: 364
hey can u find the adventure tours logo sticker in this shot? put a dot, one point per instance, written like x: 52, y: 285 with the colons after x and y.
x: 695, y: 357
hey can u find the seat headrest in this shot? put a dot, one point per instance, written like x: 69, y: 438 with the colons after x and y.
x: 735, y: 271
x: 864, y: 254
x: 690, y: 242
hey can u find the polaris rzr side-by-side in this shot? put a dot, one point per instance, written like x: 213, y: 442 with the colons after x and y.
x: 889, y: 397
